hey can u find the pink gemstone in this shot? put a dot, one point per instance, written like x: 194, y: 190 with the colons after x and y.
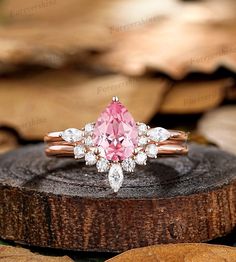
x: 116, y: 132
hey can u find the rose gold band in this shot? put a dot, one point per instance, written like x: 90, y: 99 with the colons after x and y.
x: 175, y: 145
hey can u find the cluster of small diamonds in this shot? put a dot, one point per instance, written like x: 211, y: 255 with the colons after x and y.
x: 84, y: 147
x: 148, y: 139
x: 147, y: 146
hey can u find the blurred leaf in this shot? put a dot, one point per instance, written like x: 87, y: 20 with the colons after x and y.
x: 194, y: 96
x: 69, y: 93
x: 219, y: 127
x: 173, y: 47
x: 177, y: 253
x: 16, y: 254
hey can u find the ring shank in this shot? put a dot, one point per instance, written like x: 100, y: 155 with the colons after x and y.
x: 175, y: 145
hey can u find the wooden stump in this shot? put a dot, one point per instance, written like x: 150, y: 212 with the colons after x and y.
x: 61, y: 203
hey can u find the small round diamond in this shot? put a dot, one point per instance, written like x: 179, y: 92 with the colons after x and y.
x: 88, y: 141
x: 152, y: 150
x: 142, y: 129
x: 142, y: 141
x: 79, y: 151
x: 128, y: 165
x: 141, y: 158
x: 101, y: 152
x: 72, y: 135
x: 89, y: 128
x: 90, y: 158
x: 102, y: 165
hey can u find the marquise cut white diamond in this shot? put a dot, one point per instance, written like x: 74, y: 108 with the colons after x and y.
x: 142, y: 129
x: 89, y: 128
x: 152, y: 150
x: 102, y: 165
x: 72, y: 135
x: 128, y: 165
x: 158, y: 134
x: 90, y: 158
x: 115, y: 177
x: 79, y: 151
x: 141, y: 158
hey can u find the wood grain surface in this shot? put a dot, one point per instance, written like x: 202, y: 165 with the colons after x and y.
x: 61, y: 203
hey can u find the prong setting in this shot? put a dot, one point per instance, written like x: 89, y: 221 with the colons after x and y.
x: 115, y: 99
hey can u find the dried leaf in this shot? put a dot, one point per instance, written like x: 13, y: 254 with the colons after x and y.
x: 50, y: 33
x: 171, y: 37
x: 179, y: 252
x: 16, y: 254
x: 49, y: 101
x: 219, y: 127
x: 173, y: 48
x: 195, y: 96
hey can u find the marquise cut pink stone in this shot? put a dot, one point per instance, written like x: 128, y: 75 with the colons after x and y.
x: 116, y: 132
